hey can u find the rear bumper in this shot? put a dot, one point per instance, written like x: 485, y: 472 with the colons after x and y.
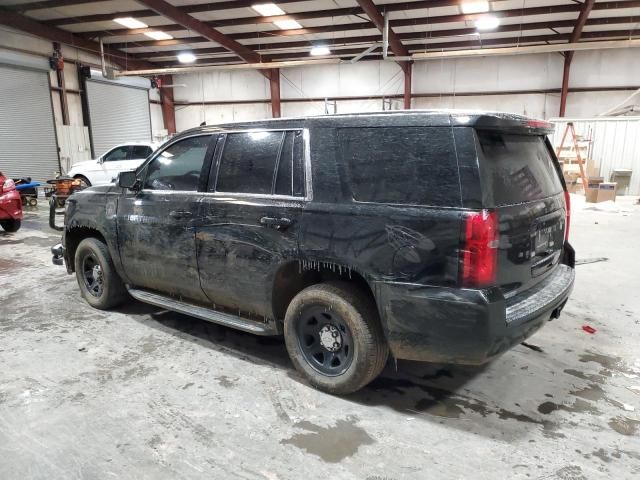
x: 447, y: 325
x: 10, y: 206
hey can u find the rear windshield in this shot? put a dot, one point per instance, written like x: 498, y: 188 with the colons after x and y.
x: 516, y: 168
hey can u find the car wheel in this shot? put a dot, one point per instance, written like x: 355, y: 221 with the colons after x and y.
x: 334, y: 338
x: 84, y: 181
x: 10, y: 225
x: 100, y: 284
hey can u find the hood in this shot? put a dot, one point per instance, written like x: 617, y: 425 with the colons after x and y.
x: 83, y: 165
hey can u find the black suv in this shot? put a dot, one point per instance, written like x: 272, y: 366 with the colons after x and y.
x: 438, y: 236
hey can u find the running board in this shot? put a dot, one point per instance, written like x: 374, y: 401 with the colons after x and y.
x: 207, y: 314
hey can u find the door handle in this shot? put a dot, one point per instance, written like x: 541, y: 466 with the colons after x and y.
x: 277, y: 223
x: 180, y: 214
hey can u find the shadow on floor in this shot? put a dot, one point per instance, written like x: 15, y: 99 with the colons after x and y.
x: 431, y: 392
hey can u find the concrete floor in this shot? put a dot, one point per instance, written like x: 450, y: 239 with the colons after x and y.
x: 143, y: 393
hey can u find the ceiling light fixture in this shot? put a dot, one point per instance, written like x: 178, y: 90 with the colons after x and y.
x: 186, y: 57
x: 487, y: 22
x: 158, y: 35
x: 319, y: 50
x: 130, y: 22
x: 287, y: 24
x: 474, y: 6
x: 268, y: 9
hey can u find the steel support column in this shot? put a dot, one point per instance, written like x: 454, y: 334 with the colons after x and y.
x: 408, y: 70
x: 166, y: 101
x: 274, y: 84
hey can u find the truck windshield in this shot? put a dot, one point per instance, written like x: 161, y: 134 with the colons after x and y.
x: 516, y: 168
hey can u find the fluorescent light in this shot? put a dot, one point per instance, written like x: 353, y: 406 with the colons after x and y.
x: 487, y: 22
x: 159, y: 35
x: 186, y: 57
x: 268, y: 9
x: 288, y: 24
x: 130, y: 22
x: 474, y: 7
x: 320, y: 50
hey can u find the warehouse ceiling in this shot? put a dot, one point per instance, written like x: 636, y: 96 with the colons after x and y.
x: 335, y: 28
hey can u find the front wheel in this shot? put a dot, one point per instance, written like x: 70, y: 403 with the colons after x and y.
x: 334, y: 338
x: 100, y: 284
x: 10, y: 225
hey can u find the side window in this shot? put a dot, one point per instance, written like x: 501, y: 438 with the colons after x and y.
x: 290, y: 176
x: 119, y: 153
x: 178, y: 167
x: 262, y: 163
x: 140, y: 151
x: 401, y: 165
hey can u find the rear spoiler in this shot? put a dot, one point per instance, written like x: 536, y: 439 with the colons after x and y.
x: 505, y: 123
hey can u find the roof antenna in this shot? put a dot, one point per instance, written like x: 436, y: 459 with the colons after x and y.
x: 203, y: 124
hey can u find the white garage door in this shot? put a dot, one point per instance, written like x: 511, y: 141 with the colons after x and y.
x: 118, y: 114
x: 28, y: 146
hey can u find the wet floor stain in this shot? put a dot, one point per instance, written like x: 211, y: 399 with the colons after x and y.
x: 579, y: 406
x: 596, y: 378
x: 7, y: 265
x: 331, y: 444
x: 624, y: 425
x: 226, y: 382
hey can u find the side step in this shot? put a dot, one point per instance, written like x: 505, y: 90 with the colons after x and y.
x: 214, y: 316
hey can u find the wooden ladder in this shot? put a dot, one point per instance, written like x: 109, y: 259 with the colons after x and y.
x: 571, y: 128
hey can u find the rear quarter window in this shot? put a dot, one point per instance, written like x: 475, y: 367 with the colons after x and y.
x: 401, y: 165
x: 516, y: 168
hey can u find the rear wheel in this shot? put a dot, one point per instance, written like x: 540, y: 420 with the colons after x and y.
x: 334, y: 338
x: 84, y: 181
x: 10, y: 225
x: 100, y: 284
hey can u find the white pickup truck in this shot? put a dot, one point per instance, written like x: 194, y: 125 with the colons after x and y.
x: 104, y: 169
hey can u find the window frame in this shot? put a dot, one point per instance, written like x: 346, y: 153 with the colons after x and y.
x: 127, y: 157
x: 142, y: 171
x: 217, y: 160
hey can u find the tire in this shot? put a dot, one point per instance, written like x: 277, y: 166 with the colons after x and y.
x: 359, y: 341
x: 101, y: 287
x: 10, y: 225
x: 85, y: 181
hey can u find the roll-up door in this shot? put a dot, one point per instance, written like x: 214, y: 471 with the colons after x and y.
x: 28, y: 146
x: 118, y: 114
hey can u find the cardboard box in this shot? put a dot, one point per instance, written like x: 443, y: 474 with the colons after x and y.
x: 606, y: 192
x: 601, y: 192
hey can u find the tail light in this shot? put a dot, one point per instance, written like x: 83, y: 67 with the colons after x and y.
x: 8, y: 186
x: 480, y: 249
x: 567, y: 206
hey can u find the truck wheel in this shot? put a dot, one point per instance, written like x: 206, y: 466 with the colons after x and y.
x: 334, y: 337
x: 100, y: 284
x: 10, y: 225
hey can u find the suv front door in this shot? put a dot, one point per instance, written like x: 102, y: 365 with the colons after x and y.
x: 249, y: 229
x: 156, y: 225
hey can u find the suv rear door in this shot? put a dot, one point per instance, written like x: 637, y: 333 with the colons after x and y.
x: 251, y: 214
x: 520, y: 180
x: 156, y: 225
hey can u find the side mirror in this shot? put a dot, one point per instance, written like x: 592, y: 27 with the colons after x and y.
x: 100, y: 159
x: 128, y: 180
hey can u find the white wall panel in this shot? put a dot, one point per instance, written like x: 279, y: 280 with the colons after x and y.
x: 618, y: 67
x: 591, y: 104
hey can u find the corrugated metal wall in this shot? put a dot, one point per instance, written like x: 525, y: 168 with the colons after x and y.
x: 27, y: 134
x: 615, y: 144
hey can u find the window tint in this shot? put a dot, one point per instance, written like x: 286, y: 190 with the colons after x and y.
x: 178, y: 167
x: 516, y: 168
x: 401, y: 165
x: 249, y: 161
x: 116, y: 154
x: 140, y: 151
x: 290, y: 177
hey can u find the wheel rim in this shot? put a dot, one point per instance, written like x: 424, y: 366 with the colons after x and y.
x: 325, y: 340
x: 92, y: 275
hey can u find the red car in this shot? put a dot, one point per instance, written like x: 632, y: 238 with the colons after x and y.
x: 10, y: 205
